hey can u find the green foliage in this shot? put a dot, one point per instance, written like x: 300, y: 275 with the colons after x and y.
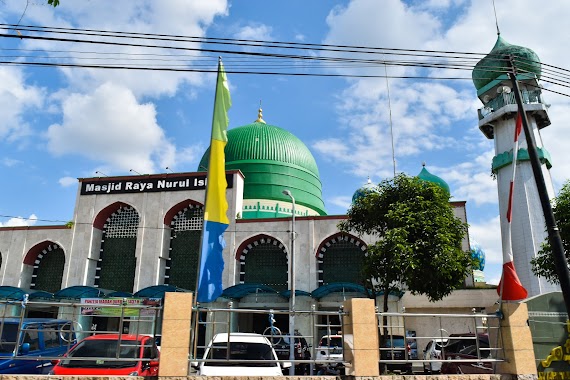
x: 543, y: 264
x: 419, y: 238
x: 55, y: 3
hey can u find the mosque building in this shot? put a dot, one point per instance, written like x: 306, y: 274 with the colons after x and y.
x: 140, y: 235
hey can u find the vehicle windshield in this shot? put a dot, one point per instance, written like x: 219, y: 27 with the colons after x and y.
x: 241, y: 352
x: 9, y: 338
x: 334, y: 341
x: 104, y: 353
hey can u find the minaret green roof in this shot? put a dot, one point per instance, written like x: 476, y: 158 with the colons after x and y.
x: 496, y: 63
x: 272, y: 159
x: 427, y: 176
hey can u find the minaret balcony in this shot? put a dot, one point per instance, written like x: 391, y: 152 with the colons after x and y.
x: 505, y: 104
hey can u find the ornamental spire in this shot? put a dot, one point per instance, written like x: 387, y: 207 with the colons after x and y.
x: 260, y: 115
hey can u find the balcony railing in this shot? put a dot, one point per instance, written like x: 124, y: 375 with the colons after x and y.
x: 528, y: 97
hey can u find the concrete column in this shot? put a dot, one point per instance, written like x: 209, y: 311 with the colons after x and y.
x: 176, y: 328
x: 361, y: 345
x: 516, y: 341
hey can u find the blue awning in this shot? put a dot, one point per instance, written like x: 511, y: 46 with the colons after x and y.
x: 78, y: 292
x: 287, y: 293
x: 40, y: 295
x: 12, y: 293
x: 119, y: 294
x: 157, y: 291
x: 241, y: 290
x: 339, y: 287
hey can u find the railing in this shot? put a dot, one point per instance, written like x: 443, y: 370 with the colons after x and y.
x: 43, y: 340
x: 503, y: 99
x: 309, y: 356
x: 453, y: 343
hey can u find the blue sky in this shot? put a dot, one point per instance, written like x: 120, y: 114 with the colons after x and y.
x: 60, y: 124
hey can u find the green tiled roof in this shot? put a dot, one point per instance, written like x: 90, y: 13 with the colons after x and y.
x: 272, y: 159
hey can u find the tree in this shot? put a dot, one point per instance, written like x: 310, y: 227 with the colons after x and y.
x: 543, y: 264
x: 419, y: 239
x: 55, y: 3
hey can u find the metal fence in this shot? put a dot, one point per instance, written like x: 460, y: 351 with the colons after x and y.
x: 42, y: 331
x: 409, y: 342
x: 433, y: 343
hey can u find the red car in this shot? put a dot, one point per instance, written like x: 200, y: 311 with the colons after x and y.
x: 111, y: 355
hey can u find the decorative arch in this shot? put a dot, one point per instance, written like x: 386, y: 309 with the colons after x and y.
x: 178, y: 208
x: 48, y: 261
x: 340, y: 258
x: 186, y: 220
x: 263, y: 260
x: 103, y: 217
x: 116, y: 265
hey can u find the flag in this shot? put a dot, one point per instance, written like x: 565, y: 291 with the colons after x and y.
x: 510, y: 287
x: 216, y: 206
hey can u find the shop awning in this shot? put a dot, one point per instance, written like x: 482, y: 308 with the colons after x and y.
x: 157, y: 291
x: 12, y: 293
x: 241, y: 290
x: 339, y: 287
x: 78, y: 292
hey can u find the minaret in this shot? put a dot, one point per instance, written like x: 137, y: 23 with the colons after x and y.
x: 497, y: 120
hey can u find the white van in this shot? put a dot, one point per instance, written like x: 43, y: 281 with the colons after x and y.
x: 240, y: 354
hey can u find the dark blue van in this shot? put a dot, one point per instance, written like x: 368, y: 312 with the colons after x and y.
x: 27, y: 345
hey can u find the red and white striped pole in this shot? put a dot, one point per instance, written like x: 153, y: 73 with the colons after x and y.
x: 510, y: 287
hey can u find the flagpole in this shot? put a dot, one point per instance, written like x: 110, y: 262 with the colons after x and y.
x: 554, y: 238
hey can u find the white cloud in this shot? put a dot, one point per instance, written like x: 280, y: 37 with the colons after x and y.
x: 20, y: 221
x: 176, y: 17
x: 343, y: 202
x: 10, y: 162
x: 111, y: 127
x: 16, y: 98
x: 67, y: 181
x: 255, y: 32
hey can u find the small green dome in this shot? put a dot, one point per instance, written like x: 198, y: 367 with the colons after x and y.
x: 364, y: 190
x: 272, y: 159
x: 496, y: 63
x: 427, y: 176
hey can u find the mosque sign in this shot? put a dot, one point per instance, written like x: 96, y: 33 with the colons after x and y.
x: 147, y: 184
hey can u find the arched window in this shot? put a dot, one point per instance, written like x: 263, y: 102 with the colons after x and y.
x: 117, y: 261
x: 48, y: 269
x: 340, y: 258
x: 182, y: 264
x: 263, y: 260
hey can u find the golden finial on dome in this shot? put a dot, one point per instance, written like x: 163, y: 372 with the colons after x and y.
x: 260, y: 115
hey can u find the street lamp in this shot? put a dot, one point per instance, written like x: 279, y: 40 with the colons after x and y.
x: 292, y: 287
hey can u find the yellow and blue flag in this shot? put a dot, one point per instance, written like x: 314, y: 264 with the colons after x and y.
x: 215, y: 218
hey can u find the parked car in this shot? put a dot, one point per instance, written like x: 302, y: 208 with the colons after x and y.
x: 433, y: 352
x: 394, y: 349
x: 301, y: 350
x: 240, y: 354
x: 111, y: 355
x: 467, y: 348
x: 329, y: 353
x: 35, y: 338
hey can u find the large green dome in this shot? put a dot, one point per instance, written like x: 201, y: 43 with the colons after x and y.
x: 272, y: 159
x: 496, y: 63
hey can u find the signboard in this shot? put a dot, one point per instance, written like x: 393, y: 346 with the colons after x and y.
x: 115, y: 307
x: 147, y: 184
